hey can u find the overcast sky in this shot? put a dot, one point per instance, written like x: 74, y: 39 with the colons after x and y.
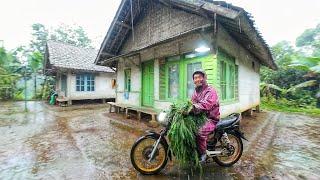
x: 276, y: 19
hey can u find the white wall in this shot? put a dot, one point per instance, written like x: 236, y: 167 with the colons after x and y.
x: 103, y: 87
x: 248, y: 77
x: 134, y: 94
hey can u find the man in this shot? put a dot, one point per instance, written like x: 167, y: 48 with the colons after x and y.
x: 205, y: 99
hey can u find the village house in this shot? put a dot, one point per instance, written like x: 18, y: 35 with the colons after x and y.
x: 156, y: 45
x: 76, y: 75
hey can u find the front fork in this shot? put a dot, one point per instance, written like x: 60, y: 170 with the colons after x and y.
x: 154, y: 149
x: 156, y: 144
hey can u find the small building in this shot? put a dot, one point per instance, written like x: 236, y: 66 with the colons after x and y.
x: 76, y: 75
x: 156, y: 45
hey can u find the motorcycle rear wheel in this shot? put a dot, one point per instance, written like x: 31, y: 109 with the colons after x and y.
x: 229, y: 160
x: 140, y: 152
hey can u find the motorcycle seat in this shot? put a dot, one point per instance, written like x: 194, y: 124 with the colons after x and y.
x: 227, y: 121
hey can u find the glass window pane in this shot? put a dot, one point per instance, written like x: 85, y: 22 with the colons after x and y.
x: 191, y: 68
x: 173, y: 74
x: 232, y: 89
x: 127, y: 80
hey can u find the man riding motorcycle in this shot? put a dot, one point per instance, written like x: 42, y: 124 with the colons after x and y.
x: 205, y: 99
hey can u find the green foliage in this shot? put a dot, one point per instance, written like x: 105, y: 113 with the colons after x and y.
x: 309, y: 41
x: 284, y: 105
x: 8, y: 75
x: 182, y: 133
x: 296, y: 83
x: 40, y: 36
x: 310, y: 64
x: 11, y: 69
x: 71, y: 35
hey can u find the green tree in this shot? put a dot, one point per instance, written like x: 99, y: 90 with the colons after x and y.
x: 40, y: 36
x: 8, y: 76
x: 35, y: 63
x: 309, y: 41
x: 71, y: 35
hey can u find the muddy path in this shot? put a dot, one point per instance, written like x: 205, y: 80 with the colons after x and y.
x: 85, y: 144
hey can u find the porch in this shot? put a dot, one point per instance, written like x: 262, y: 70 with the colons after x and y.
x: 138, y: 110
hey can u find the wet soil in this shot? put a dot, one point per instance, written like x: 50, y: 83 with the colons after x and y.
x: 89, y: 143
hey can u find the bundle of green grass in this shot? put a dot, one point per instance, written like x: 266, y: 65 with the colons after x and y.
x: 182, y: 133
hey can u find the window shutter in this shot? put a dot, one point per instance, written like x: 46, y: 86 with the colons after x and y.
x: 236, y: 82
x: 162, y: 79
x: 209, y: 65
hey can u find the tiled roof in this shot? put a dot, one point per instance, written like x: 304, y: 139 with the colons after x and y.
x: 62, y: 55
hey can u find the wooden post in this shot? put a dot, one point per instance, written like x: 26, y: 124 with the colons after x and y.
x: 248, y: 112
x: 258, y: 108
x: 139, y: 115
x: 126, y: 114
x: 153, y: 123
x: 69, y: 102
x: 110, y: 108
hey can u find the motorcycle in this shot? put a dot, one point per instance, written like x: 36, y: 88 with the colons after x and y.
x: 150, y: 153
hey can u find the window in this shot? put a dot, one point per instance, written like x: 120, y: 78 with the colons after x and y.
x: 191, y: 68
x: 228, y: 77
x: 173, y: 81
x: 85, y: 82
x: 127, y: 80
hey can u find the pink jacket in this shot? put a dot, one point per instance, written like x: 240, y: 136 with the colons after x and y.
x: 206, y: 99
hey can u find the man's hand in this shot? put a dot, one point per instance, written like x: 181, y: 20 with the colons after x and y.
x: 188, y: 111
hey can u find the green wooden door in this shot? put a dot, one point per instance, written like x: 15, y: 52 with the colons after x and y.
x: 147, y: 83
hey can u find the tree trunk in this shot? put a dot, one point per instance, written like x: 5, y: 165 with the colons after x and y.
x: 35, y: 85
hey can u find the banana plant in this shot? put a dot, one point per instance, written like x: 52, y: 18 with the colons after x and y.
x: 267, y: 88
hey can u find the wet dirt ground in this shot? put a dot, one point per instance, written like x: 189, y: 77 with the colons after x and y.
x: 85, y: 143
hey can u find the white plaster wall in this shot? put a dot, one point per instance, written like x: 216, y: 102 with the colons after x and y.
x: 248, y: 77
x: 134, y: 95
x: 103, y: 87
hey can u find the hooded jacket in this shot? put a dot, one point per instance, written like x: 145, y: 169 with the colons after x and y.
x: 205, y: 99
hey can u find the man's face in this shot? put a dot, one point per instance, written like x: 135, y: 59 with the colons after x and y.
x: 197, y: 80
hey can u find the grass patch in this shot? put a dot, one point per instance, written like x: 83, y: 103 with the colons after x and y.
x: 310, y: 111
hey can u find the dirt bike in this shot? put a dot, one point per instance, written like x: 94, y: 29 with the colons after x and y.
x: 150, y: 153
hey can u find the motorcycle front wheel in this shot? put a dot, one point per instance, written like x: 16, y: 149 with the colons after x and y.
x: 140, y: 155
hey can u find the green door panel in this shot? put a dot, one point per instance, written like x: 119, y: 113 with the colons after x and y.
x: 147, y: 83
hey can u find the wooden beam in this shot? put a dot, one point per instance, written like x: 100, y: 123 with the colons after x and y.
x: 232, y: 14
x: 107, y: 54
x: 123, y: 25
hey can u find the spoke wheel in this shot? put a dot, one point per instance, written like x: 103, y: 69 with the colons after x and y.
x: 230, y: 155
x: 140, y: 155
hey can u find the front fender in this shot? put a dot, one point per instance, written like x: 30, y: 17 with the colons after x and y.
x: 163, y: 141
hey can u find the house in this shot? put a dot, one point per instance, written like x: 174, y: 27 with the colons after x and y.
x: 76, y: 75
x: 156, y: 45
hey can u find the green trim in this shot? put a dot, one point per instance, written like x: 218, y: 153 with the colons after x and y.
x: 208, y: 63
x: 227, y: 78
x: 127, y: 80
x: 147, y: 87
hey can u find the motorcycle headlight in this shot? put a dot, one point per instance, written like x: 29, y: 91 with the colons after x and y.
x: 162, y: 118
